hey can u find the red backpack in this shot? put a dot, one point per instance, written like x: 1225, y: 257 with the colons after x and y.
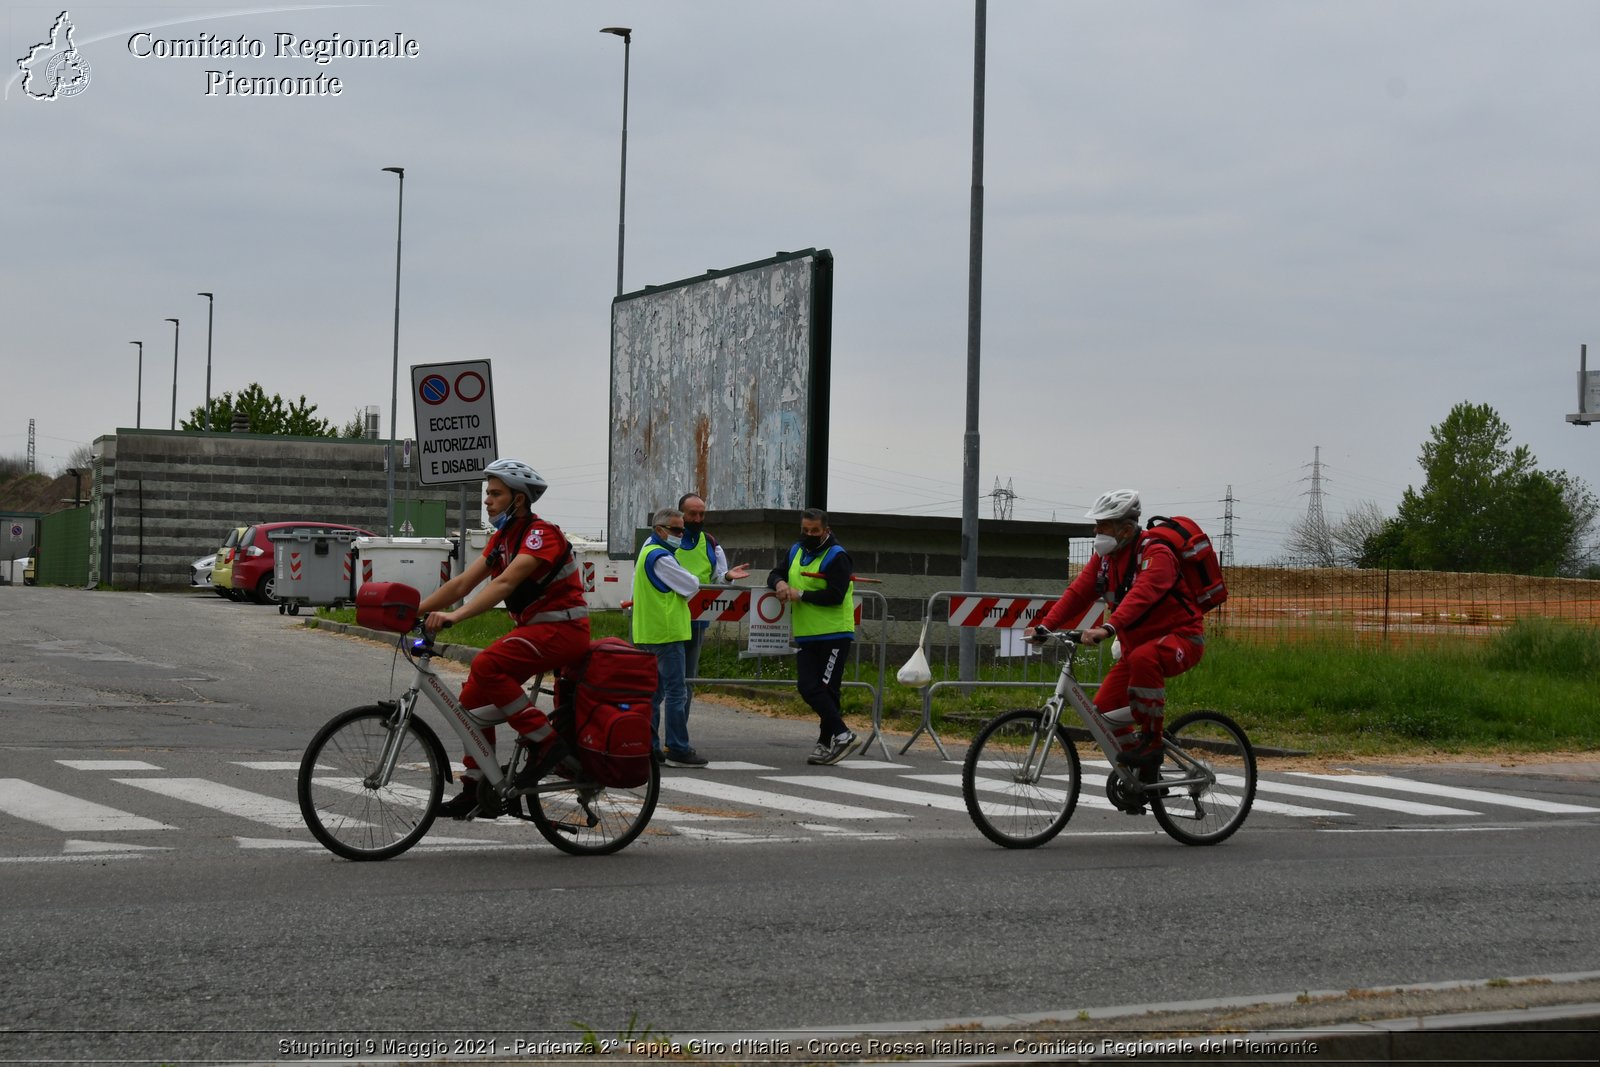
x: 1197, y: 560
x: 611, y: 688
x: 1198, y: 570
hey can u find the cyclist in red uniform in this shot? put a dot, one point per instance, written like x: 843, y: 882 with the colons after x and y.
x: 1151, y: 613
x: 528, y: 563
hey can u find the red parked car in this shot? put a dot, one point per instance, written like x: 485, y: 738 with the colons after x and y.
x: 254, y: 564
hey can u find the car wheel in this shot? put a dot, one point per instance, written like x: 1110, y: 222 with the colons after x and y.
x: 264, y: 592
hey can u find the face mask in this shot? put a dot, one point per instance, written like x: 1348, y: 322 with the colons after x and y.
x: 691, y: 530
x: 1105, y: 544
x: 672, y: 541
x: 500, y: 520
x: 811, y: 543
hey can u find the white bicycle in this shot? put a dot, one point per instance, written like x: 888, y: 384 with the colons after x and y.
x: 371, y: 778
x: 1022, y: 774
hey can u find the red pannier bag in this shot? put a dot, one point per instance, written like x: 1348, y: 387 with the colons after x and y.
x: 611, y: 688
x: 389, y: 606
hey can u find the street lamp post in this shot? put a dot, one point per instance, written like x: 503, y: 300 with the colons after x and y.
x: 622, y: 196
x: 394, y: 380
x: 174, y: 425
x: 968, y: 652
x: 138, y: 403
x: 210, y: 306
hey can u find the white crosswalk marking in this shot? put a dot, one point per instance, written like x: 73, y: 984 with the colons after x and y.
x: 761, y: 798
x: 108, y: 765
x: 1095, y: 800
x: 1360, y: 800
x: 886, y: 791
x: 393, y: 793
x: 917, y: 797
x: 70, y: 814
x: 1476, y: 796
x: 282, y: 814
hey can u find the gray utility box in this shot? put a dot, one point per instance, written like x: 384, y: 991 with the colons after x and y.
x: 312, y: 567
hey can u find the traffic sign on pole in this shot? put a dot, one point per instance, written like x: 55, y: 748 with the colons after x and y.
x: 454, y: 406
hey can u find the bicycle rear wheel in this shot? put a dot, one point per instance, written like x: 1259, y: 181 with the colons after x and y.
x: 1202, y: 813
x: 585, y: 818
x: 339, y: 800
x: 1012, y: 808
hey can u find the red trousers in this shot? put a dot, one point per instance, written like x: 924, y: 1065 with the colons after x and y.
x: 1138, y: 680
x: 494, y: 693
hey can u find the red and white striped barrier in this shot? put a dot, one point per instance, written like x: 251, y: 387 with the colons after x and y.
x: 720, y: 605
x: 996, y: 612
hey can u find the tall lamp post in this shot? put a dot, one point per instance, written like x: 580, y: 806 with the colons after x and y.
x: 174, y: 425
x: 210, y: 306
x: 394, y: 380
x: 138, y: 403
x: 968, y: 653
x: 622, y: 196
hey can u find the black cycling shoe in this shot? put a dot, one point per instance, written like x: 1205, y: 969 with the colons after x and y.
x: 464, y: 805
x: 1144, y: 757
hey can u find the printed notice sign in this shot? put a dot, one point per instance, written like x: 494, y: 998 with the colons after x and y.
x: 769, y: 626
x: 454, y: 405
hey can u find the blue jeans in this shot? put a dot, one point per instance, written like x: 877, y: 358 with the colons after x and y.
x: 691, y: 660
x: 671, y: 695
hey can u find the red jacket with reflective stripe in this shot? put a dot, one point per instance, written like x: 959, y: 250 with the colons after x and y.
x: 1156, y: 604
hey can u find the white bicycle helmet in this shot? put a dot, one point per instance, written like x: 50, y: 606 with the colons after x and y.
x: 1117, y: 504
x: 518, y: 477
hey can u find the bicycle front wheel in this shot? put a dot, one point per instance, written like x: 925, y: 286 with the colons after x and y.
x: 585, y: 818
x: 1012, y: 806
x: 1205, y: 745
x: 340, y: 800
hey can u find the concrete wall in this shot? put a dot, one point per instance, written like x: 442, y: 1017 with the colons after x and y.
x: 163, y: 498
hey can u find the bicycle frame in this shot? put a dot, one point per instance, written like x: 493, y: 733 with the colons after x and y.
x: 428, y: 683
x: 1068, y: 691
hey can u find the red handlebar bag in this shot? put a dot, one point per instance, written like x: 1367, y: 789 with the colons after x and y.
x: 390, y: 606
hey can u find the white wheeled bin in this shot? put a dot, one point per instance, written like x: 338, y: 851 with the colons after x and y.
x: 424, y: 563
x: 312, y: 567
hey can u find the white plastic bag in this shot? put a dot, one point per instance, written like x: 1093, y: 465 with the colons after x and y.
x: 916, y: 672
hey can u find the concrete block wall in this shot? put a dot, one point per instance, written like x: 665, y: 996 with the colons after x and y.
x: 164, y: 498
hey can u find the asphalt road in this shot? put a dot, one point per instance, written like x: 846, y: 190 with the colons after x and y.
x: 228, y: 935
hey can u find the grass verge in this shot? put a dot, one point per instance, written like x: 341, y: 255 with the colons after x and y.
x: 1529, y: 688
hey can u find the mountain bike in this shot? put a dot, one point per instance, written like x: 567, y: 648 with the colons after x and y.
x: 1022, y: 773
x: 371, y: 778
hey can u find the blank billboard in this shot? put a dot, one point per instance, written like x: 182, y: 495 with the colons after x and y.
x: 719, y: 386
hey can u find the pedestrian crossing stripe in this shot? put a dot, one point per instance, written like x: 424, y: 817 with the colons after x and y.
x: 762, y: 798
x: 62, y: 811
x: 257, y: 807
x: 791, y: 793
x: 1476, y: 796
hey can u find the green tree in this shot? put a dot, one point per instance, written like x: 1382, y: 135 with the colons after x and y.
x: 1484, y: 504
x: 266, y: 415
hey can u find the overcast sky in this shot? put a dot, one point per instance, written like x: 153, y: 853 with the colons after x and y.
x: 1217, y: 234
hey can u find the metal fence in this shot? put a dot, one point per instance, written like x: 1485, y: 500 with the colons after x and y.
x: 1267, y: 605
x: 744, y: 622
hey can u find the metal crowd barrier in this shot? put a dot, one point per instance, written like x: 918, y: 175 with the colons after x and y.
x: 988, y: 611
x: 743, y: 605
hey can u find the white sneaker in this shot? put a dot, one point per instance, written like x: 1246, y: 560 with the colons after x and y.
x: 843, y: 745
x: 819, y: 753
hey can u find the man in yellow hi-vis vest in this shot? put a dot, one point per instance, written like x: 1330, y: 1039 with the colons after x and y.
x: 817, y: 579
x: 702, y: 557
x: 661, y: 592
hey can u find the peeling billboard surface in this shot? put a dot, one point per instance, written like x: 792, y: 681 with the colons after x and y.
x: 719, y: 386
